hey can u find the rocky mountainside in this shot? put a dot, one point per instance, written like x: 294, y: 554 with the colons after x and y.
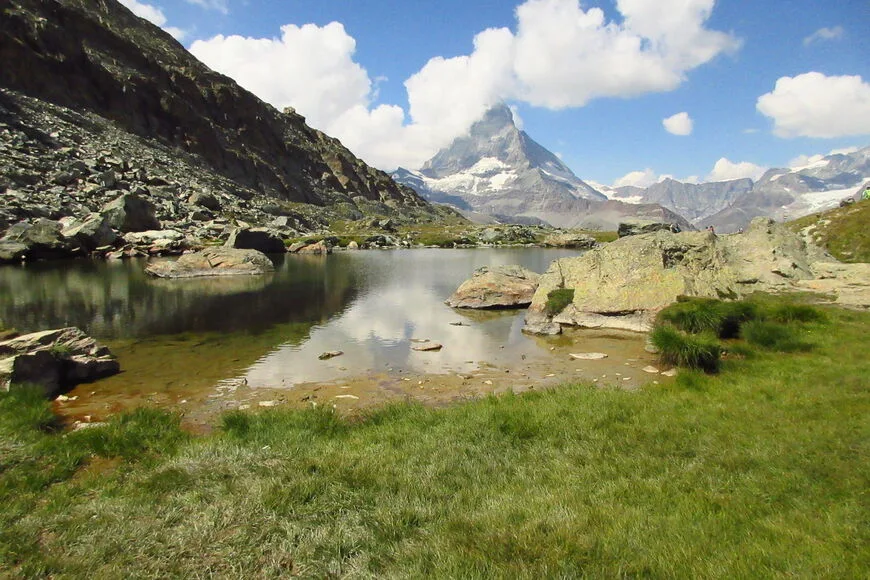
x: 96, y: 102
x: 781, y: 194
x: 498, y: 170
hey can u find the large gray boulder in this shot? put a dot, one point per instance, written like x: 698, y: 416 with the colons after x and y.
x: 496, y: 287
x: 131, y: 213
x: 54, y: 361
x: 573, y: 240
x: 259, y: 239
x: 38, y: 240
x: 625, y: 283
x: 91, y: 233
x: 213, y: 262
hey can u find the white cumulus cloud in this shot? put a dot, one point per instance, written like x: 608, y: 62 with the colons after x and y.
x: 804, y: 160
x: 815, y: 105
x: 154, y: 15
x: 826, y: 33
x: 560, y: 55
x: 679, y: 124
x: 643, y: 178
x: 725, y: 170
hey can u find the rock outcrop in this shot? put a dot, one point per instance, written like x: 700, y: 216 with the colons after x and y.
x: 637, y: 227
x: 496, y: 287
x: 98, y: 106
x: 624, y: 284
x: 572, y: 240
x: 54, y: 360
x: 213, y: 262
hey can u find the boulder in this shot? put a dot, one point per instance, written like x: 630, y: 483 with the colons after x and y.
x: 205, y: 199
x: 131, y: 213
x: 11, y: 251
x: 92, y: 233
x: 320, y: 248
x: 162, y: 242
x: 625, y: 283
x: 213, y: 262
x: 638, y: 227
x: 54, y: 361
x: 41, y: 239
x: 496, y: 287
x: 573, y: 240
x: 260, y: 239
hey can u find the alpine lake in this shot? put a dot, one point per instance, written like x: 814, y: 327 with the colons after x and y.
x: 204, y: 346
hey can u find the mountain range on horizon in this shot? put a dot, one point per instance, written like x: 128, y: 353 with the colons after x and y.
x: 498, y: 170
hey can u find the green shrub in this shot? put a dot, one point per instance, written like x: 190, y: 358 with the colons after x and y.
x: 701, y: 352
x: 558, y: 299
x: 773, y: 336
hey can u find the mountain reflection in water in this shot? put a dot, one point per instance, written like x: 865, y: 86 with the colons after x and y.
x: 368, y: 304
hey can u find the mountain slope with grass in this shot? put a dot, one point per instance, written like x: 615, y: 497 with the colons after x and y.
x: 844, y: 231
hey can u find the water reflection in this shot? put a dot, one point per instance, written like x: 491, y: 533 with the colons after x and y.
x: 371, y: 305
x: 401, y: 300
x: 112, y: 300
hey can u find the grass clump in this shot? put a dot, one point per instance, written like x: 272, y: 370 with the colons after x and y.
x: 774, y: 336
x: 696, y: 315
x: 558, y: 300
x: 693, y: 351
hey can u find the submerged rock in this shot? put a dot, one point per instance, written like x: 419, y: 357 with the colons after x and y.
x: 496, y: 287
x: 54, y: 360
x: 213, y: 262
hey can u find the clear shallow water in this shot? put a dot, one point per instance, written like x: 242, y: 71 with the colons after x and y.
x: 371, y: 305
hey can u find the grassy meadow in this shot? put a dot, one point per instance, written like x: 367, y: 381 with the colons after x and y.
x: 759, y: 471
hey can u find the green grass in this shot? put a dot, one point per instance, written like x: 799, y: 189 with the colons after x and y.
x: 760, y: 471
x: 842, y: 231
x: 558, y: 300
x: 693, y: 351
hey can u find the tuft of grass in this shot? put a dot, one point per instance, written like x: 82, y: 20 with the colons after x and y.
x: 774, y: 336
x: 558, y: 300
x: 700, y: 352
x: 696, y: 315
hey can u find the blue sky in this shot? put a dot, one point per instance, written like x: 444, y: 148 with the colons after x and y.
x: 748, y: 84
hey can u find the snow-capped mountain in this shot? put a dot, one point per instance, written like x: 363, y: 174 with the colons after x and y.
x: 782, y: 194
x: 785, y: 194
x: 498, y: 170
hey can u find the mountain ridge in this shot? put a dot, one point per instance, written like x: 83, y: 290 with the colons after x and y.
x: 139, y: 79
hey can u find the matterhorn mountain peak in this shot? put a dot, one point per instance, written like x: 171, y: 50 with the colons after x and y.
x: 499, y: 170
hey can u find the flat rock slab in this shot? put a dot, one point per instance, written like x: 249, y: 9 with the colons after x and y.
x: 496, y: 287
x: 54, y: 360
x: 428, y: 347
x: 588, y: 356
x: 213, y: 262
